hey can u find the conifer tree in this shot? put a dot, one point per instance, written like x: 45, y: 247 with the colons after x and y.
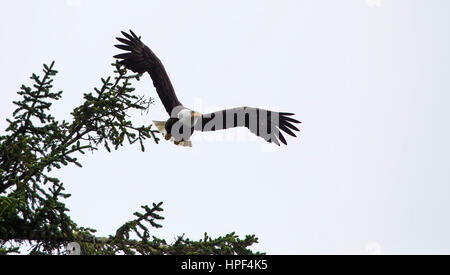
x: 32, y: 209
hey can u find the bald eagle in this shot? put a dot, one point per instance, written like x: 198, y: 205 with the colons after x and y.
x: 182, y: 121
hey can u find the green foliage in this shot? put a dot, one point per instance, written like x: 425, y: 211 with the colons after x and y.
x: 32, y: 210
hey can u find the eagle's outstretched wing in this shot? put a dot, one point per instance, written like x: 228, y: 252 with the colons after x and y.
x: 140, y: 59
x: 263, y: 123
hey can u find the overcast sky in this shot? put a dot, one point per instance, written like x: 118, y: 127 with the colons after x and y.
x: 369, y: 79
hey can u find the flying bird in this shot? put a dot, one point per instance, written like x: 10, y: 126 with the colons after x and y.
x: 183, y: 121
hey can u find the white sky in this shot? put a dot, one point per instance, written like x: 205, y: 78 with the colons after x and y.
x: 369, y: 79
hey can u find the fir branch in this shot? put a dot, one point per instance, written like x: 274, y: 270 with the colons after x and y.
x: 31, y: 200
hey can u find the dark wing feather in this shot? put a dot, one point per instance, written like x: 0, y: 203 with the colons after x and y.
x: 140, y: 59
x: 264, y: 123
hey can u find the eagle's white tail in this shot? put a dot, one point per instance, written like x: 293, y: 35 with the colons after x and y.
x: 161, y: 125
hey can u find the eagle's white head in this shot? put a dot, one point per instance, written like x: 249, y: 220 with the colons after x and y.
x: 188, y: 117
